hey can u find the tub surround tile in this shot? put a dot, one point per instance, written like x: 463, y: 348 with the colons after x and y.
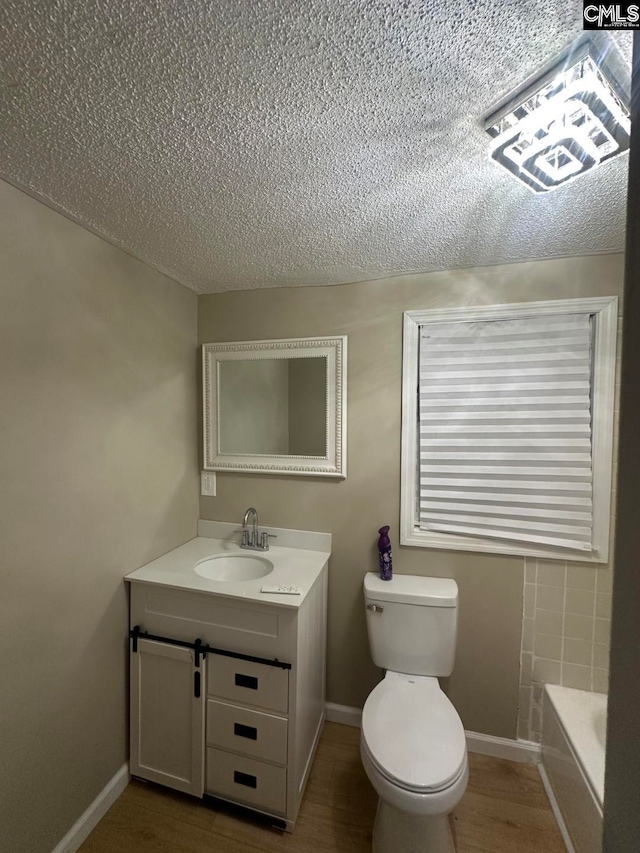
x: 600, y: 656
x: 604, y: 580
x: 565, y: 633
x: 536, y: 720
x: 579, y: 601
x: 551, y: 573
x: 577, y: 651
x: 574, y: 675
x: 578, y: 627
x: 535, y: 713
x: 603, y: 606
x: 581, y: 577
x: 546, y: 671
x: 600, y: 680
x: 524, y: 701
x: 523, y: 727
x: 549, y: 598
x: 545, y: 646
x: 548, y: 622
x: 602, y: 631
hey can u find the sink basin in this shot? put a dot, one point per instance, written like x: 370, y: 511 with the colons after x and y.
x: 234, y: 567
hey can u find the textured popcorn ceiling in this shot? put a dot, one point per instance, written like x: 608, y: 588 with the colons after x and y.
x: 249, y: 143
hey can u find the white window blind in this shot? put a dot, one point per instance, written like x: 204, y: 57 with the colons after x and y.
x: 505, y: 430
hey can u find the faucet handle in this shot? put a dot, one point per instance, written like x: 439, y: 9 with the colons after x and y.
x: 264, y: 539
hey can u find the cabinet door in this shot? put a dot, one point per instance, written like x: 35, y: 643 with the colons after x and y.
x: 167, y: 716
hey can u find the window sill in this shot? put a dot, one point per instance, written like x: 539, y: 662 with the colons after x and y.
x: 448, y: 542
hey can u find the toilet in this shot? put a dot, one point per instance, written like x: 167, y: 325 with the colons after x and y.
x: 413, y: 745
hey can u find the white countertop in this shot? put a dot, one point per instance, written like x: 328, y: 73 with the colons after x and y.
x: 292, y: 566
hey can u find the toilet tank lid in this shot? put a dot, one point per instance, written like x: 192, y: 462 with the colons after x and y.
x: 412, y: 589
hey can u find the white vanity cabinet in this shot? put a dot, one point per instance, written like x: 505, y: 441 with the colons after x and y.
x: 167, y: 716
x: 241, y: 721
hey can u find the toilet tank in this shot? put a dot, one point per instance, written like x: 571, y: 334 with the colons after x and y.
x: 412, y: 623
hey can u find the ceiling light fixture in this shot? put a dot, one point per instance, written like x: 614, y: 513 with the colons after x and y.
x: 566, y: 122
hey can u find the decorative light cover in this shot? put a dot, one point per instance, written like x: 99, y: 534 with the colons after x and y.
x: 564, y: 124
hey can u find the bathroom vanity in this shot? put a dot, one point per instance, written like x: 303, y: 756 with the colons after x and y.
x: 227, y: 682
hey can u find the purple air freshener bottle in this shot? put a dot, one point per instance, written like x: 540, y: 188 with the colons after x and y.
x: 384, y: 552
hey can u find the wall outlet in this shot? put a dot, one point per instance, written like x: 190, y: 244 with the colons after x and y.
x: 208, y: 484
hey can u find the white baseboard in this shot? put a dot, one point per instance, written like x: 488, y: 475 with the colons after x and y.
x: 98, y: 808
x: 562, y: 826
x: 343, y: 714
x: 523, y: 751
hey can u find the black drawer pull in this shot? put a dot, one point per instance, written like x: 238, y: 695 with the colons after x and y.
x: 196, y: 684
x: 244, y: 779
x: 246, y: 681
x: 245, y: 731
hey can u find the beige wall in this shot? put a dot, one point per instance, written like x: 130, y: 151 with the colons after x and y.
x: 485, y: 684
x: 98, y: 475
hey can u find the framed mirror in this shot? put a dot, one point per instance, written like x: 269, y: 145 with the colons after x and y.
x: 276, y: 407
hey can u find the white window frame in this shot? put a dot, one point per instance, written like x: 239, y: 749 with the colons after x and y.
x: 605, y: 313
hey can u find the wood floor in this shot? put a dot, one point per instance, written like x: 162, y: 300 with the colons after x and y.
x: 505, y: 810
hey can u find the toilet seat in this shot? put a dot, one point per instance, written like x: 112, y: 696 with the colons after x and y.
x: 413, y: 734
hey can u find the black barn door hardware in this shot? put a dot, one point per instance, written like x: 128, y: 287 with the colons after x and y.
x: 201, y: 650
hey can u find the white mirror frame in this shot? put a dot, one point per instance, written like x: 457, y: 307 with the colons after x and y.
x: 334, y: 463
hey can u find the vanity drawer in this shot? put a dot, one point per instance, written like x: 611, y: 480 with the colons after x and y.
x: 252, y: 733
x: 245, y: 780
x: 248, y: 683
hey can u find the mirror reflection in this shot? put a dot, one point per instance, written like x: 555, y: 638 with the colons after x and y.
x: 273, y: 406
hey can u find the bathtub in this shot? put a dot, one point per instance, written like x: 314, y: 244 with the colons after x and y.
x: 573, y: 750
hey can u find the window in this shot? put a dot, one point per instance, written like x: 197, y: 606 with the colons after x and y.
x: 507, y: 428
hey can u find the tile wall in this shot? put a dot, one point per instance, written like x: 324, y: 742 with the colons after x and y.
x: 565, y: 634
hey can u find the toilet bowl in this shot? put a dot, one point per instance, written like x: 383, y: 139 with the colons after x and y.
x: 413, y: 750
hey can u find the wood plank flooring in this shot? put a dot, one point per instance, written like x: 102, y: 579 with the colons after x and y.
x: 505, y: 810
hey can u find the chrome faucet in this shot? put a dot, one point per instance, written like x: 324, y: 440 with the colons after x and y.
x: 252, y: 539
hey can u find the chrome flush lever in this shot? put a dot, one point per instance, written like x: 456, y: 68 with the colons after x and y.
x: 375, y: 608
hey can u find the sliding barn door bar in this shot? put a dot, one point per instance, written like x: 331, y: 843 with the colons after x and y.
x: 201, y: 649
